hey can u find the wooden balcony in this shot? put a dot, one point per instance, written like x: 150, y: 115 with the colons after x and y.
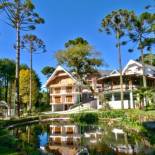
x: 116, y: 87
x: 61, y: 84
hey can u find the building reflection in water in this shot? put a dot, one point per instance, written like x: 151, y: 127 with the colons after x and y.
x: 64, y: 139
x: 71, y: 139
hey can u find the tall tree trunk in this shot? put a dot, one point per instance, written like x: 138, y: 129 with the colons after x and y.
x: 144, y: 77
x: 30, y: 103
x: 120, y: 69
x: 6, y: 90
x: 18, y: 58
x: 10, y: 97
x: 143, y: 69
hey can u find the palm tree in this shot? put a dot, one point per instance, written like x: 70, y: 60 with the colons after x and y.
x: 116, y: 23
x: 34, y: 45
x: 144, y: 93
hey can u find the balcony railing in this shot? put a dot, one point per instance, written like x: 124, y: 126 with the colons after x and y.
x: 117, y: 87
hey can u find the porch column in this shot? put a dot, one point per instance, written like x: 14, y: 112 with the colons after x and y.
x: 63, y: 107
x: 52, y: 108
x: 131, y: 93
x: 113, y: 97
x: 131, y: 100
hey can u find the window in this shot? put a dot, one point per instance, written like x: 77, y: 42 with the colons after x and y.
x: 69, y: 89
x: 117, y: 97
x: 57, y: 90
x: 57, y: 99
x: 126, y: 96
x: 51, y: 90
x: 68, y: 98
x: 108, y: 97
x: 51, y: 101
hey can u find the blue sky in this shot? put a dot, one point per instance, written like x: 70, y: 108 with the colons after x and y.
x: 68, y: 19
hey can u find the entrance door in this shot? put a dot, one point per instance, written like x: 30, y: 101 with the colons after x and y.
x: 66, y: 107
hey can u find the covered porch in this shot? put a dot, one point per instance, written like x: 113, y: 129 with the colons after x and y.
x: 60, y: 107
x: 113, y: 99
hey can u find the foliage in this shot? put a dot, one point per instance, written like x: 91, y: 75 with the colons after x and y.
x: 43, y: 102
x: 21, y: 16
x: 140, y: 30
x: 25, y: 87
x: 140, y: 33
x: 76, y: 41
x: 22, y: 13
x: 144, y: 93
x: 7, y: 81
x: 26, y: 67
x: 82, y: 60
x: 116, y: 23
x: 148, y: 59
x: 47, y: 71
x: 85, y: 118
x: 10, y: 145
x: 112, y: 114
x: 33, y: 44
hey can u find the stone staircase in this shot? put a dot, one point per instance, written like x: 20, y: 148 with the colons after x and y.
x: 77, y: 109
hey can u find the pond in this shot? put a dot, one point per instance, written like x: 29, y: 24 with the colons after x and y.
x: 66, y: 138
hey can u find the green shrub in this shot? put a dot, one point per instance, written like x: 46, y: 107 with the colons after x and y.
x: 85, y: 118
x: 112, y: 114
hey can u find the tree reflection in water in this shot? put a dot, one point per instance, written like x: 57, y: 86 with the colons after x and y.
x: 68, y: 138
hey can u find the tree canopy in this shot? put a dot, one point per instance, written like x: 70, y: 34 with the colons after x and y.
x: 25, y: 87
x: 47, y: 71
x: 81, y: 59
x: 76, y: 41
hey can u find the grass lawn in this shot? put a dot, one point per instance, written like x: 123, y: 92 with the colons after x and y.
x: 7, y: 151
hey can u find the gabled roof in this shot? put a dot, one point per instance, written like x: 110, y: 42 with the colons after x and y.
x: 114, y: 72
x: 104, y: 73
x: 59, y: 68
x: 131, y: 62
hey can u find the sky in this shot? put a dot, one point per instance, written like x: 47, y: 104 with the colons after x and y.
x: 69, y: 19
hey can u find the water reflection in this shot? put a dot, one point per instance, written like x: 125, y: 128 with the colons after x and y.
x: 66, y: 138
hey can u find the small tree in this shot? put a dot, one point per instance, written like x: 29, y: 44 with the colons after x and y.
x: 34, y: 45
x: 25, y: 88
x: 20, y: 15
x: 142, y: 93
x: 116, y: 23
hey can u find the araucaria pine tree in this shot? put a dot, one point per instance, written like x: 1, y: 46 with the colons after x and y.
x: 20, y: 15
x: 34, y: 45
